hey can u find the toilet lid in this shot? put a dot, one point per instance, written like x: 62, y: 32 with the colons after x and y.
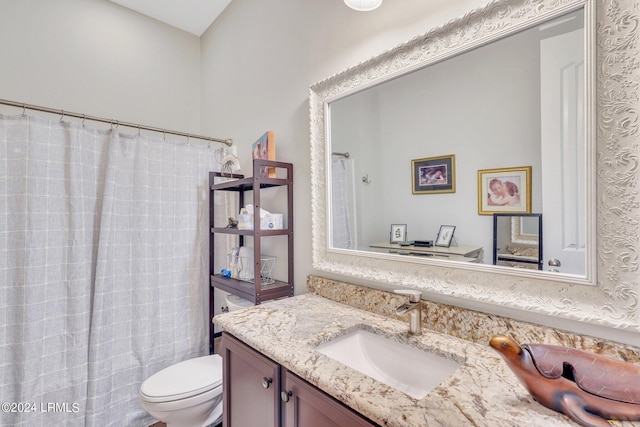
x: 184, y: 379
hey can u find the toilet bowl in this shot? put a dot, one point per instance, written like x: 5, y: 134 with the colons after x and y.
x: 234, y: 302
x: 187, y: 394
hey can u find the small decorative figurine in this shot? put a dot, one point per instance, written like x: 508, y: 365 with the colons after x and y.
x: 586, y: 387
x: 230, y: 164
x: 233, y: 223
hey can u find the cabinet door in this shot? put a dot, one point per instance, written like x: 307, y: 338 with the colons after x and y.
x: 251, y: 386
x: 306, y: 406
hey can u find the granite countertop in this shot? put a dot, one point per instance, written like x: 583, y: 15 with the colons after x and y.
x: 481, y: 392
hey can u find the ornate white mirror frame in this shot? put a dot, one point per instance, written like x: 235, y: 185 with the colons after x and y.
x: 613, y: 302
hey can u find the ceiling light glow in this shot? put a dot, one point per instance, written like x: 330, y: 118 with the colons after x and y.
x: 363, y: 5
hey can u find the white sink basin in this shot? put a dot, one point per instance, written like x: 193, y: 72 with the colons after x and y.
x: 411, y: 370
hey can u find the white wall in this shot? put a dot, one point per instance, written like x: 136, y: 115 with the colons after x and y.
x: 97, y: 58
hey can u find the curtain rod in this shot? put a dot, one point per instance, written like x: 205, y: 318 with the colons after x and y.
x: 228, y: 142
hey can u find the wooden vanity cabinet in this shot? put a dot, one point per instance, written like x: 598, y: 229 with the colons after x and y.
x: 250, y: 386
x: 258, y: 392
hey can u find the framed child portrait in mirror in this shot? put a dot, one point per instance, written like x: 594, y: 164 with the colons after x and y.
x: 506, y: 190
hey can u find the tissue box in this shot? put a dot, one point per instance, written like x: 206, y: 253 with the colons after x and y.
x: 272, y: 222
x: 267, y: 222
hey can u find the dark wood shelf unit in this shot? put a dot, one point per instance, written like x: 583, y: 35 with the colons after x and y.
x: 255, y: 291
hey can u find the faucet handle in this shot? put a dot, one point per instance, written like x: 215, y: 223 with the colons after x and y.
x: 414, y: 296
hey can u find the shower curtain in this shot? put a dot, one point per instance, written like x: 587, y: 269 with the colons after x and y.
x: 104, y: 269
x: 343, y: 203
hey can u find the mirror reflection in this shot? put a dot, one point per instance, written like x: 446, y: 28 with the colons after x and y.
x: 511, y: 111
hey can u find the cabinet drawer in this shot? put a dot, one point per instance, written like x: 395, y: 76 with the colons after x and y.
x: 307, y: 406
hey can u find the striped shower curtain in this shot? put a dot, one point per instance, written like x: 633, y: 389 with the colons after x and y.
x: 103, y: 269
x: 343, y: 227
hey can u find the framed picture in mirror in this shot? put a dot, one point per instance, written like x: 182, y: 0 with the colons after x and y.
x: 445, y: 235
x: 506, y: 190
x: 398, y: 233
x: 433, y: 175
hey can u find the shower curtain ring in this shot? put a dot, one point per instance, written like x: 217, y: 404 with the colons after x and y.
x: 24, y: 110
x: 62, y: 116
x: 84, y: 116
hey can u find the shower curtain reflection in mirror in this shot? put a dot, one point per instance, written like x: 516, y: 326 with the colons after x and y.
x: 343, y: 203
x: 103, y: 267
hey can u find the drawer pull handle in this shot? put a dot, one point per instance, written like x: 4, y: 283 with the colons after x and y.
x: 285, y: 395
x: 266, y: 382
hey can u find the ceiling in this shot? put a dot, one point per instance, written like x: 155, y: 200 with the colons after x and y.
x: 193, y: 16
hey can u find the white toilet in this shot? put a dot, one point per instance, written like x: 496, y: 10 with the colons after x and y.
x: 234, y: 302
x: 187, y: 394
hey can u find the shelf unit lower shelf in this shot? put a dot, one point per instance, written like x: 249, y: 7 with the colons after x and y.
x: 247, y: 290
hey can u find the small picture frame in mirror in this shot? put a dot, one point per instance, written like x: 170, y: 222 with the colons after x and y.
x: 445, y: 235
x: 398, y: 233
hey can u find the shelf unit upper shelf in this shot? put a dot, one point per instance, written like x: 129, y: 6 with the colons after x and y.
x: 247, y: 184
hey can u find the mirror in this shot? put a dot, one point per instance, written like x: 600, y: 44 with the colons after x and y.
x: 518, y: 101
x: 611, y: 222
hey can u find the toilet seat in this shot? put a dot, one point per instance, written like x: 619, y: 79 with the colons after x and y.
x: 182, y: 380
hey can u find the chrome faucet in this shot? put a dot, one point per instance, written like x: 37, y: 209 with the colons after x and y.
x: 413, y: 307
